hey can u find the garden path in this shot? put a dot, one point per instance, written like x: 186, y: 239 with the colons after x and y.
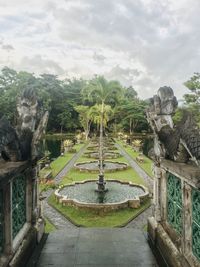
x: 49, y: 212
x: 136, y: 167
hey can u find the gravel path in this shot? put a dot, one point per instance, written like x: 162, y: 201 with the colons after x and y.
x: 140, y: 221
x: 49, y: 212
x: 69, y: 165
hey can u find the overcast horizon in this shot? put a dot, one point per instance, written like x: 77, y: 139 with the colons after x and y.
x: 143, y: 43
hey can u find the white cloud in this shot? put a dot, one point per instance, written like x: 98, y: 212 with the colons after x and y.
x: 143, y: 43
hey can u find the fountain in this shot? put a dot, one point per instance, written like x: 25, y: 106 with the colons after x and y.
x: 117, y: 195
x: 108, y: 195
x: 93, y: 166
x: 101, y: 182
x: 107, y: 154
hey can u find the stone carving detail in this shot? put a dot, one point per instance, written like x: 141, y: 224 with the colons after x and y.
x: 21, y: 142
x: 178, y: 143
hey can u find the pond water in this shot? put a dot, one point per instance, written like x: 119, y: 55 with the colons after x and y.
x: 108, y: 165
x: 53, y: 146
x: 106, y: 155
x: 117, y: 192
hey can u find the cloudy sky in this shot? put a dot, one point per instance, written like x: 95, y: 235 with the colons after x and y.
x: 143, y: 43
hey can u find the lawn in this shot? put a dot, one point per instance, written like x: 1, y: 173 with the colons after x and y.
x: 49, y: 227
x: 146, y: 166
x: 92, y: 219
x: 124, y: 175
x: 58, y: 164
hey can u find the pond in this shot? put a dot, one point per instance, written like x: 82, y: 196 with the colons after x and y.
x: 54, y: 147
x: 117, y: 192
x: 52, y: 143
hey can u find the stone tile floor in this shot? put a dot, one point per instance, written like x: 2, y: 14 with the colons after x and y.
x: 95, y: 247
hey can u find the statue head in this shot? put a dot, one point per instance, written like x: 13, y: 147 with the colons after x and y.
x: 168, y: 102
x: 27, y: 110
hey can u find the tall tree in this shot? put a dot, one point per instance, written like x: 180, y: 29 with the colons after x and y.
x: 102, y: 91
x: 131, y: 114
x: 95, y: 114
x: 192, y: 99
x: 85, y: 118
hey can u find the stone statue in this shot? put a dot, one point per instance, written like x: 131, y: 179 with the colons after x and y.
x: 178, y: 143
x: 21, y: 143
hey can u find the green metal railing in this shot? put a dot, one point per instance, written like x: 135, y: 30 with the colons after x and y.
x: 18, y: 204
x: 1, y: 221
x: 196, y: 223
x: 174, y: 202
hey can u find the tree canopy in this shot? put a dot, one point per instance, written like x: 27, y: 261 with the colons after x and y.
x: 192, y: 99
x: 73, y: 104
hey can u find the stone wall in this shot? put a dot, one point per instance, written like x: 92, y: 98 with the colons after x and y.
x: 172, y: 235
x: 20, y: 224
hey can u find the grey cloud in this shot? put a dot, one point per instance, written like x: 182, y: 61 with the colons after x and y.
x: 161, y: 36
x: 126, y: 76
x: 7, y: 47
x: 39, y: 65
x: 98, y: 57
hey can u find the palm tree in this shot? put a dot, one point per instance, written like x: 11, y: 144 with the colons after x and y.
x: 102, y: 92
x: 95, y: 114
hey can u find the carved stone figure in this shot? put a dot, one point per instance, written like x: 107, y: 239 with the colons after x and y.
x: 21, y: 143
x: 179, y: 143
x: 9, y: 141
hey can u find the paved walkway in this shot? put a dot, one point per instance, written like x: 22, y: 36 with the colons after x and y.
x: 89, y: 247
x: 53, y: 215
x: 140, y: 221
x: 136, y: 167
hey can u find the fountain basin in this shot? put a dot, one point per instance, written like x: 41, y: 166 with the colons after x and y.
x: 93, y: 166
x: 120, y: 195
x: 93, y: 147
x: 106, y: 147
x: 106, y: 155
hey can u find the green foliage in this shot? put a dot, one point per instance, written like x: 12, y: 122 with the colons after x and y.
x: 68, y: 101
x: 192, y: 99
x: 131, y: 113
x: 95, y: 114
x: 130, y: 93
x: 99, y: 90
x: 85, y: 118
x: 178, y: 116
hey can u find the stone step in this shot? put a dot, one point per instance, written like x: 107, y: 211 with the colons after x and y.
x: 96, y: 247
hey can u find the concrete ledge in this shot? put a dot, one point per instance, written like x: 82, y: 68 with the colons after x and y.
x: 25, y: 249
x: 121, y: 166
x: 163, y: 246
